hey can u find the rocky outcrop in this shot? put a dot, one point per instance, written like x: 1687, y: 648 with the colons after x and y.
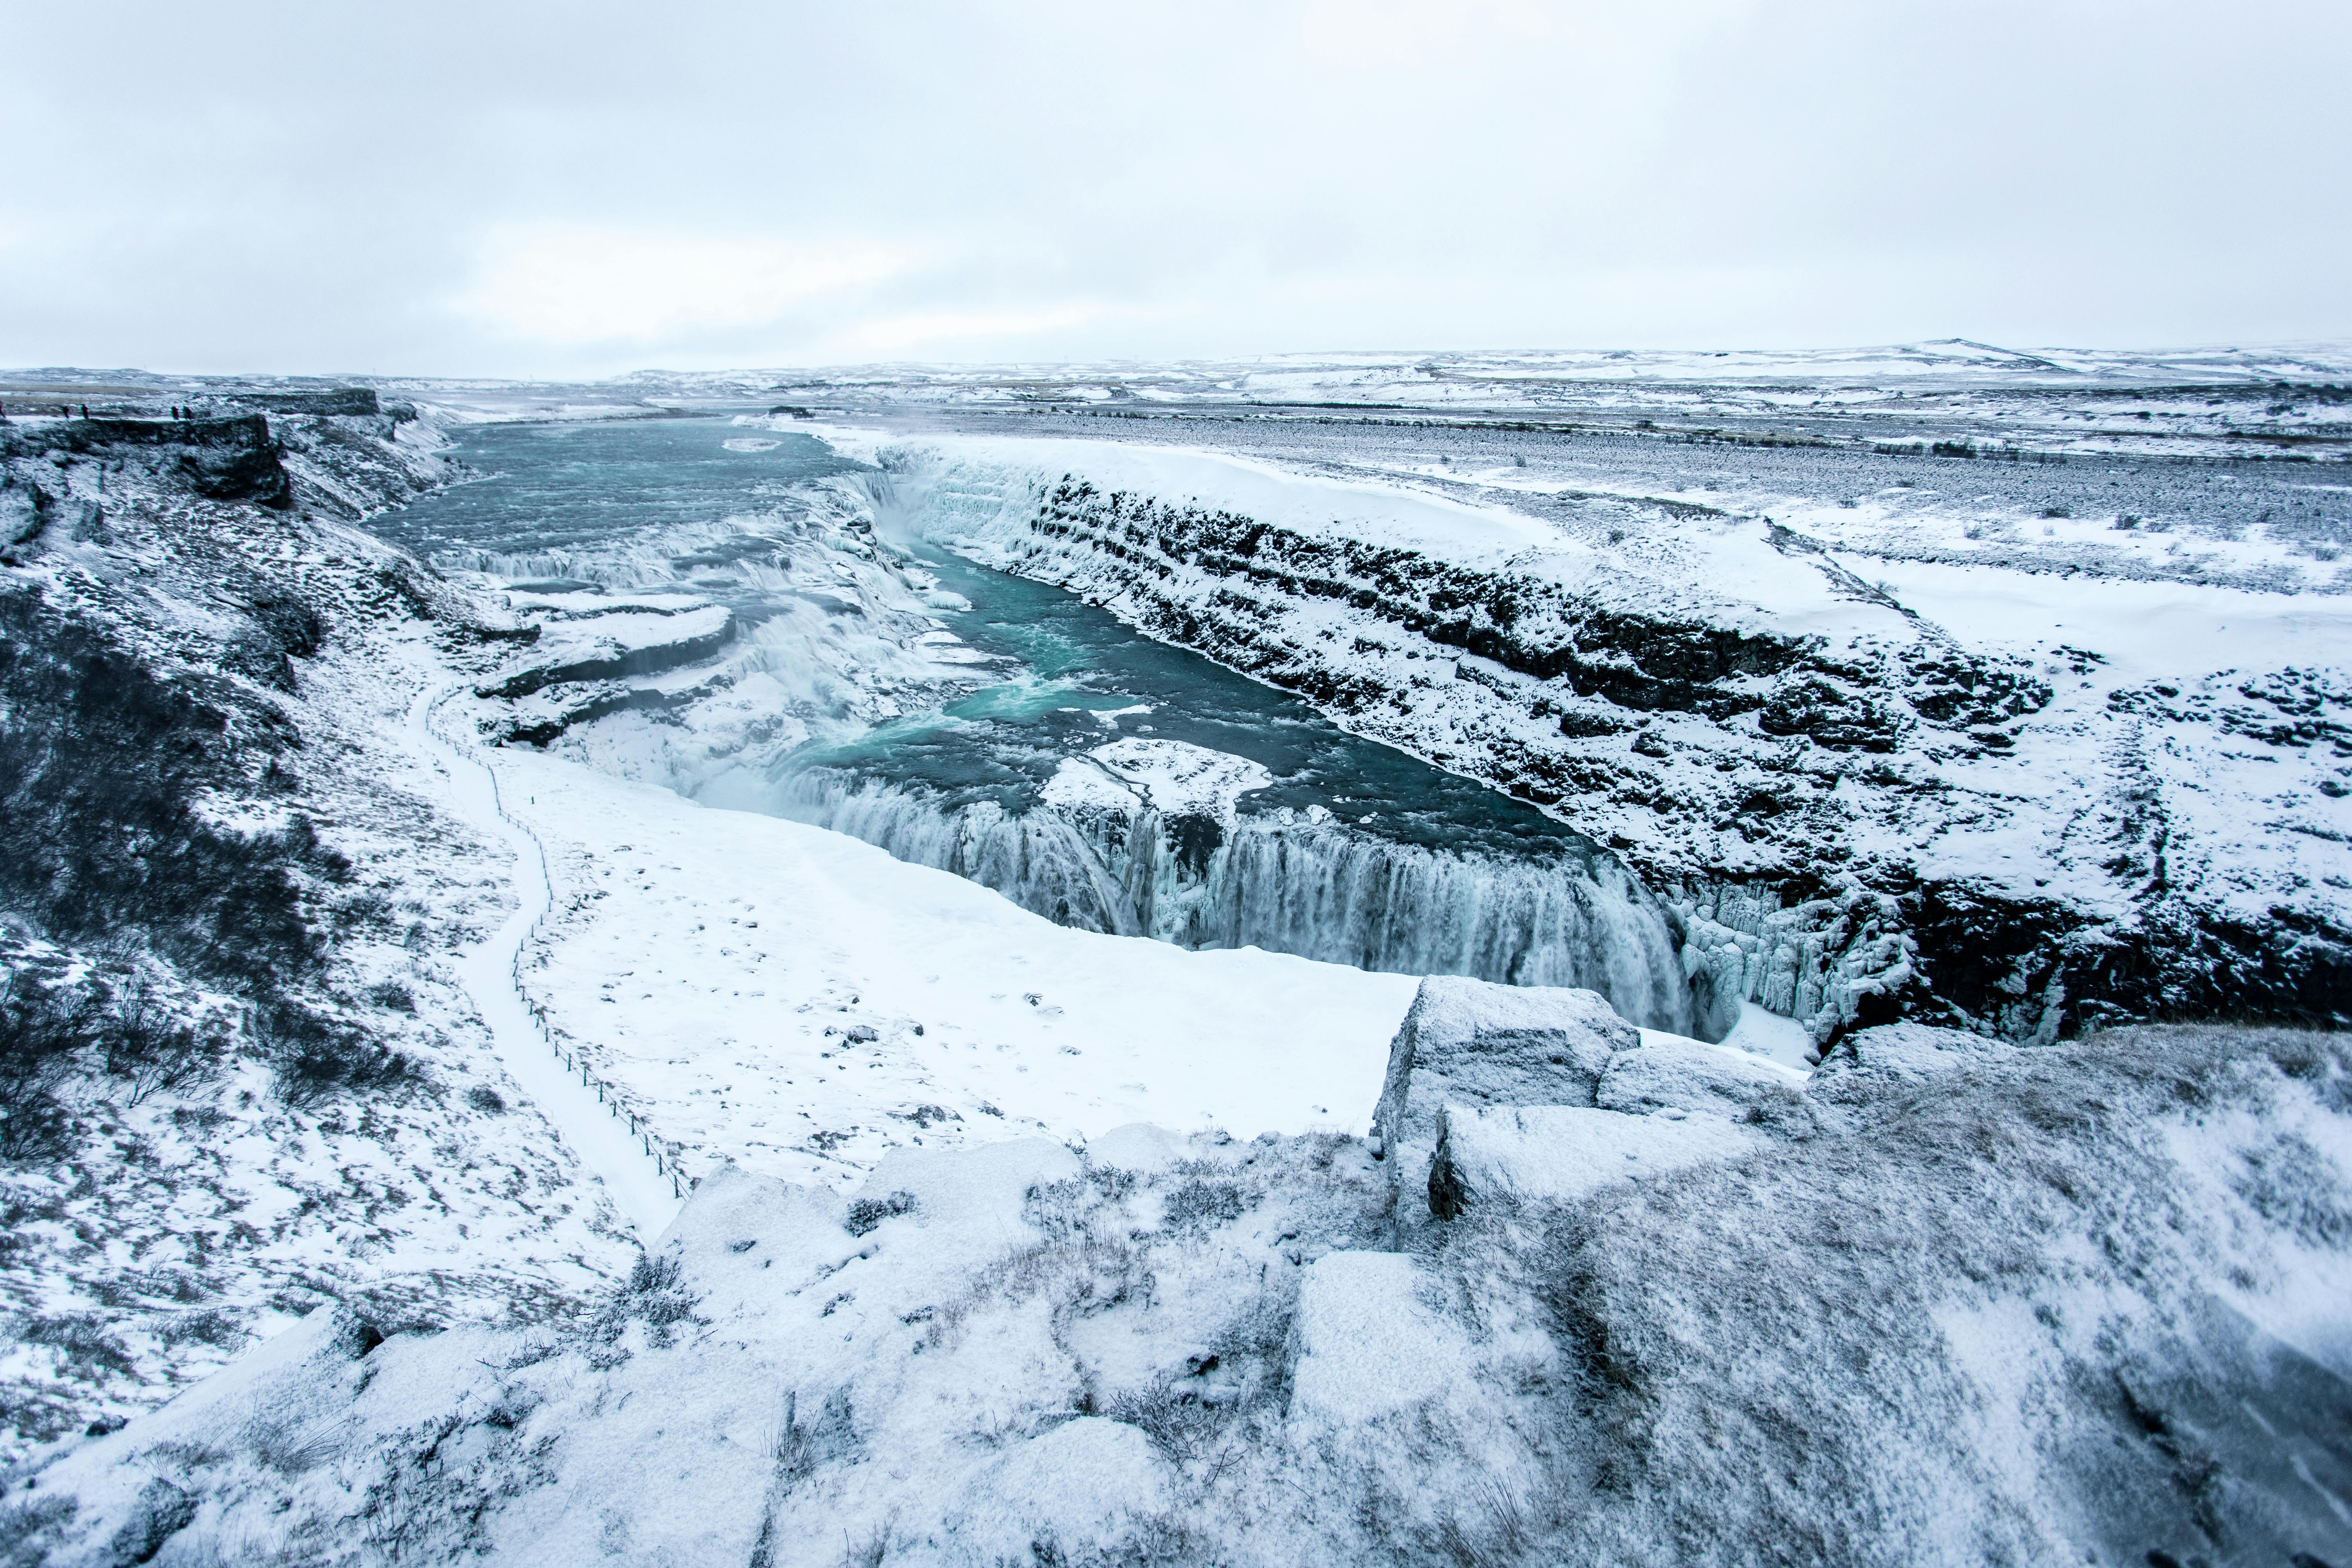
x: 1678, y: 1078
x: 346, y: 402
x: 225, y: 459
x: 1545, y: 1093
x: 626, y: 643
x: 1468, y: 1042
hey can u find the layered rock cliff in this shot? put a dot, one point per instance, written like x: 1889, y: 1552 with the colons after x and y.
x: 1859, y: 806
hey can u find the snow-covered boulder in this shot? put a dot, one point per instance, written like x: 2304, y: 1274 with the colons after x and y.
x: 1367, y: 1346
x: 1079, y: 1486
x: 1666, y: 1076
x: 1559, y: 1153
x: 1870, y: 1062
x: 1469, y: 1042
x: 1138, y: 1146
x: 744, y: 1238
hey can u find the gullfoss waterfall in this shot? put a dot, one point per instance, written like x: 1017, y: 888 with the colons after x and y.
x: 875, y: 682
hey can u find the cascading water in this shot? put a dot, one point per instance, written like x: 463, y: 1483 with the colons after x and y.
x: 1287, y: 881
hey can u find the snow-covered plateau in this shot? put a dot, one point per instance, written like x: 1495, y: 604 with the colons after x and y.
x: 1419, y: 959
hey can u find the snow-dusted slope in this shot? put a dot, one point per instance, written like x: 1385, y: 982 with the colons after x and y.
x: 211, y: 683
x: 1934, y: 1318
x: 796, y: 1002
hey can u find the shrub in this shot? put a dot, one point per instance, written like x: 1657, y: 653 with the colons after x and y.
x: 1199, y: 1204
x: 27, y: 1528
x: 101, y: 762
x: 84, y: 1346
x: 392, y: 994
x: 653, y: 1296
x: 41, y: 1028
x: 313, y: 1056
x: 866, y: 1213
x: 150, y: 1052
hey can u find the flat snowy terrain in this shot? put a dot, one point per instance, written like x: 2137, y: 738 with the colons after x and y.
x: 799, y: 1002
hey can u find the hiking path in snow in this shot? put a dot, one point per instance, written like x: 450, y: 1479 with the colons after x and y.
x: 645, y: 1192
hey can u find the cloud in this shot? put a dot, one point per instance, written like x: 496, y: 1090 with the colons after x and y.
x: 585, y: 186
x: 573, y: 284
x: 921, y: 329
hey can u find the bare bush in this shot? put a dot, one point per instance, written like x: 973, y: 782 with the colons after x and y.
x: 103, y: 763
x: 152, y: 1052
x: 313, y: 1056
x: 41, y: 1028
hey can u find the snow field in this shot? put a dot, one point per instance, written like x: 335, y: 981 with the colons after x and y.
x: 799, y: 1002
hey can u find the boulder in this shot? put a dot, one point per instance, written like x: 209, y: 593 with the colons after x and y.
x: 1872, y: 1062
x: 1559, y: 1153
x: 1668, y: 1076
x: 1138, y: 1146
x: 1471, y: 1043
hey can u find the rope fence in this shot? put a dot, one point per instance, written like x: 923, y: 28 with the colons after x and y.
x: 606, y: 1095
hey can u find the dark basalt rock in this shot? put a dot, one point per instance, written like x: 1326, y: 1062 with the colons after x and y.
x: 284, y: 628
x: 348, y: 402
x: 1974, y: 690
x: 2025, y: 970
x: 1829, y: 715
x: 230, y: 458
x: 636, y: 661
x: 599, y: 700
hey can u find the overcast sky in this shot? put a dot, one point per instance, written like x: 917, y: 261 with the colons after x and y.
x: 527, y: 189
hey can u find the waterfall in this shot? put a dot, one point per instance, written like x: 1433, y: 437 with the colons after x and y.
x: 1285, y: 882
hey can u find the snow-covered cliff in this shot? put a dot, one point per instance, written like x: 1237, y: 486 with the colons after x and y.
x: 1883, y: 752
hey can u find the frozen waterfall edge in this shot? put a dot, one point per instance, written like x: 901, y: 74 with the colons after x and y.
x: 1289, y: 884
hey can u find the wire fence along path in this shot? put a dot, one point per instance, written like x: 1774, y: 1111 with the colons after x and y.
x: 637, y: 1170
